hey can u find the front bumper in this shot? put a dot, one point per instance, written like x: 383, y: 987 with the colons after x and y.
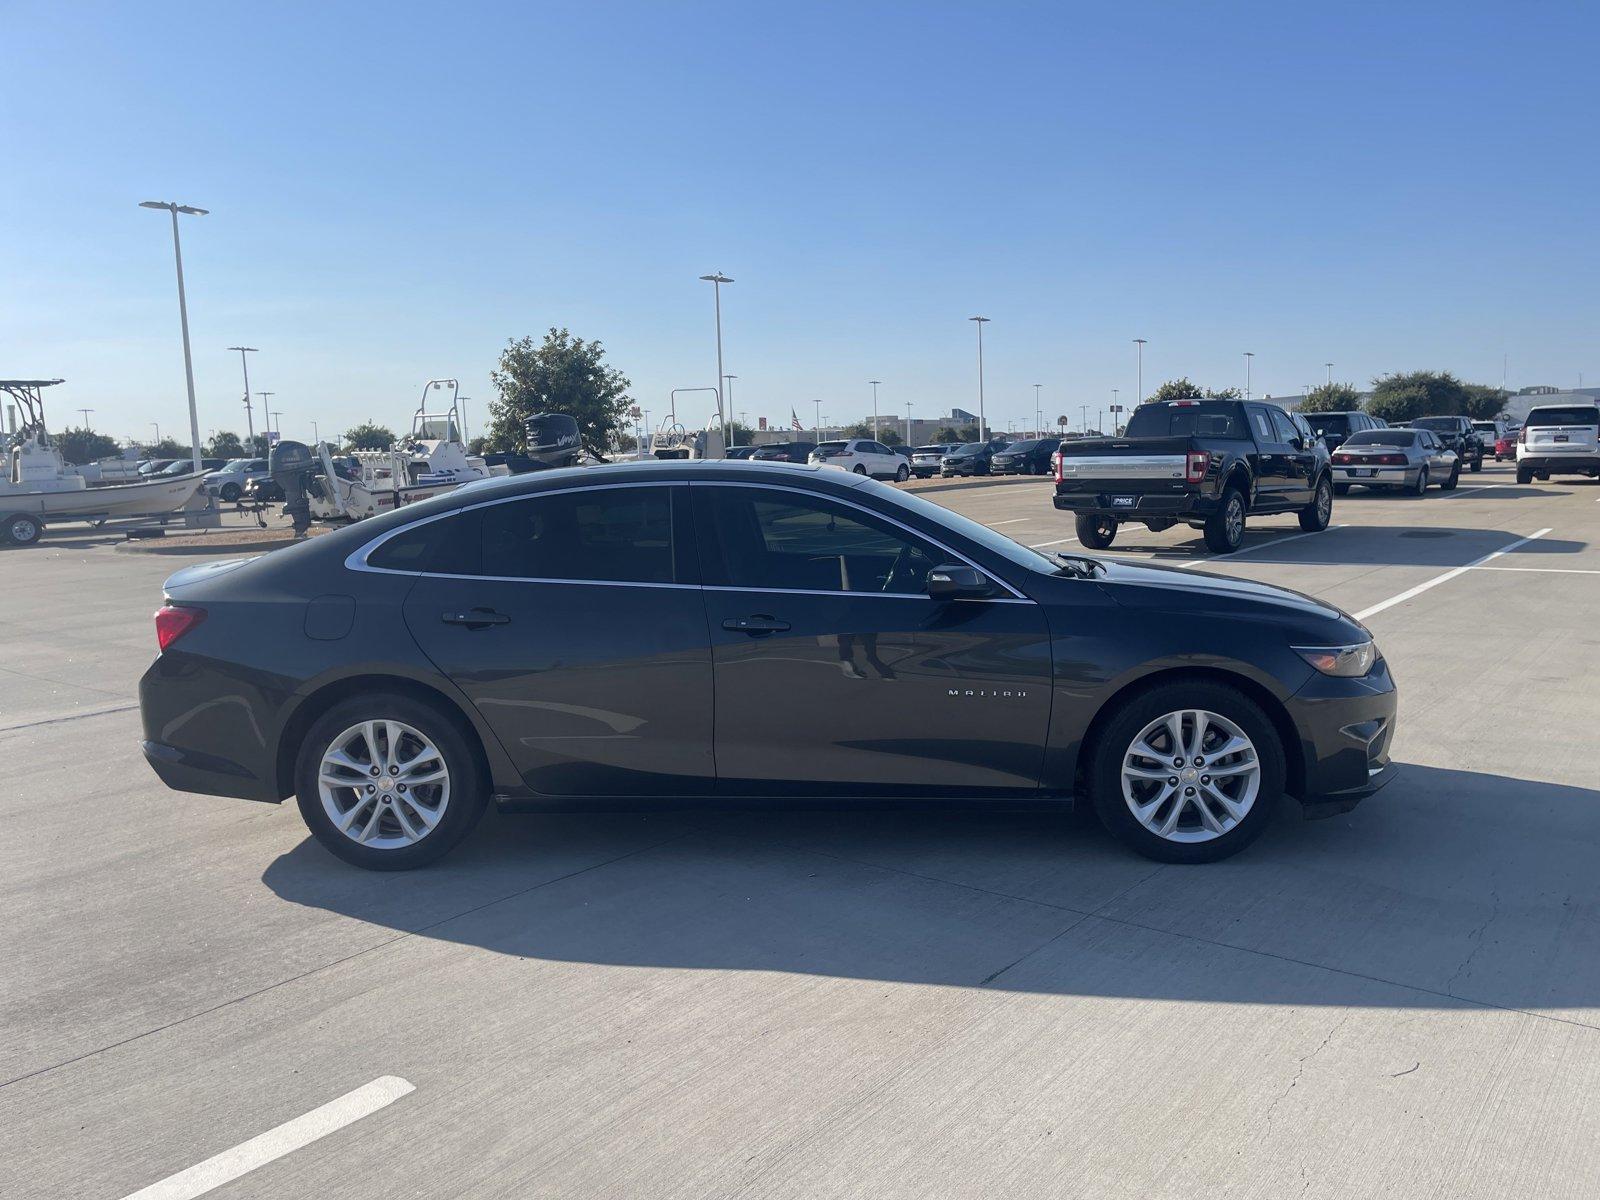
x: 1346, y: 729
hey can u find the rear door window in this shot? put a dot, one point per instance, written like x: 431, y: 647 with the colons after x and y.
x: 607, y: 534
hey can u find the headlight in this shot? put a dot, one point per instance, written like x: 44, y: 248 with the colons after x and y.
x: 1346, y: 662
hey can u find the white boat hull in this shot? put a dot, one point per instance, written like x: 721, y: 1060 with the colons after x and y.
x: 118, y: 500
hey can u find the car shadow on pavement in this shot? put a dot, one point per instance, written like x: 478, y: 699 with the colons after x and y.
x: 1449, y: 888
x: 1369, y: 545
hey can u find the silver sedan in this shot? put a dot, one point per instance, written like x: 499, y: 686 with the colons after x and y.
x: 1395, y: 458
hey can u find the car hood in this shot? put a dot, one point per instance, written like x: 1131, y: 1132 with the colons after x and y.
x: 1173, y: 589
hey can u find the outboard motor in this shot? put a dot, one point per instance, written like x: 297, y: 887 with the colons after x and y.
x: 291, y: 465
x: 553, y: 440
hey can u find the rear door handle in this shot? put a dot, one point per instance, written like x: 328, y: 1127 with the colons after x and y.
x: 475, y: 618
x: 754, y: 625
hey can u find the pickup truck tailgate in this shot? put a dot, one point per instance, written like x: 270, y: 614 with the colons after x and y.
x: 1133, y: 467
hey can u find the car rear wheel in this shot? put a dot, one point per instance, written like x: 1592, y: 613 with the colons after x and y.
x: 230, y: 492
x: 1224, y: 530
x: 1477, y: 463
x: 1187, y: 772
x: 860, y: 470
x: 1315, y: 517
x: 1096, y: 533
x: 388, y: 782
x: 1524, y: 475
x: 1421, y: 485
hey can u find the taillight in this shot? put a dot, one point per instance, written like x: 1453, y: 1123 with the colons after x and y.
x: 1056, y: 460
x: 173, y: 621
x: 1195, y: 466
x: 1390, y: 460
x: 1344, y: 458
x: 1522, y: 435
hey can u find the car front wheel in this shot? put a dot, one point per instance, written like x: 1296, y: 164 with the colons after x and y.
x: 388, y: 782
x: 1187, y: 772
x: 902, y: 473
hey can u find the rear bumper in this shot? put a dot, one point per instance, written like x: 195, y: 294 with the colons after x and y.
x: 1583, y: 463
x: 191, y: 771
x: 1389, y: 476
x: 186, y: 702
x: 1174, y: 506
x: 1346, y: 729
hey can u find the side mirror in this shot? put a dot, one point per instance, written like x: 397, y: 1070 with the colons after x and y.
x: 956, y: 581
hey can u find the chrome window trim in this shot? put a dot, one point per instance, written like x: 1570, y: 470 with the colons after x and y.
x: 356, y: 560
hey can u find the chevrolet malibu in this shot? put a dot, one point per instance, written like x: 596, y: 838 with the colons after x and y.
x: 713, y: 632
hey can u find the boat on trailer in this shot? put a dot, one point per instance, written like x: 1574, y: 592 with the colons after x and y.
x: 37, y: 487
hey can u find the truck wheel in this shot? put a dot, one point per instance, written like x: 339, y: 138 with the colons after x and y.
x: 21, y: 529
x: 1477, y: 463
x: 1096, y: 533
x: 1225, y: 527
x: 1524, y: 474
x: 1314, y: 518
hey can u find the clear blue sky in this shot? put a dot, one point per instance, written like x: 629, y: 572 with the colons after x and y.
x: 397, y: 189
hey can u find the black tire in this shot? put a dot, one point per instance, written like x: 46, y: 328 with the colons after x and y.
x: 1524, y: 474
x: 230, y: 492
x: 1341, y: 489
x: 1315, y: 516
x: 1116, y: 736
x: 1449, y: 485
x: 21, y: 529
x: 860, y: 470
x: 468, y: 794
x: 902, y: 473
x: 1095, y: 532
x: 1421, y: 485
x: 1224, y: 531
x: 1477, y: 464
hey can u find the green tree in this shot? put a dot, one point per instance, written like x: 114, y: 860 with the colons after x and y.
x: 889, y: 435
x: 80, y: 446
x: 564, y: 374
x: 1484, y: 403
x: 225, y: 445
x: 1405, y: 396
x: 1175, y: 389
x: 1331, y: 397
x: 368, y: 436
x: 739, y: 434
x: 946, y: 435
x: 480, y: 445
x: 1227, y: 393
x: 166, y: 448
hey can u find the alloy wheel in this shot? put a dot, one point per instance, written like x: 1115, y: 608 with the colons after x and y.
x: 1235, y: 521
x: 1190, y: 776
x: 384, y: 784
x: 1325, y: 502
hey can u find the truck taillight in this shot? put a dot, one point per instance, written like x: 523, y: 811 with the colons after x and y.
x: 175, y: 620
x: 1195, y: 466
x: 1056, y: 461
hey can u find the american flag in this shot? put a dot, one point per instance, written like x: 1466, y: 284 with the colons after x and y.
x: 794, y: 422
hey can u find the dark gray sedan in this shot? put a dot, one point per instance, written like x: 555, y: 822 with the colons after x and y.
x: 1395, y: 458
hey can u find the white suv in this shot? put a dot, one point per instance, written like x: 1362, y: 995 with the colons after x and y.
x: 864, y: 457
x: 1562, y: 439
x: 228, y: 483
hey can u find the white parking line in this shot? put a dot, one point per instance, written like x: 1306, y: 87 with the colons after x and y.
x: 275, y: 1143
x: 1201, y: 562
x: 1544, y: 570
x: 1481, y: 488
x: 1057, y: 542
x: 1446, y: 577
x: 1013, y: 521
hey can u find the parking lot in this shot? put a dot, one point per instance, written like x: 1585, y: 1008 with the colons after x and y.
x: 1403, y: 1001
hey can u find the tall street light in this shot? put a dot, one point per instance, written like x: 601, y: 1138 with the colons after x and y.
x: 1038, y: 412
x: 249, y: 416
x: 874, y: 383
x: 1085, y: 410
x: 716, y: 280
x: 1140, y: 342
x: 983, y: 428
x: 818, y: 403
x: 157, y: 425
x: 1330, y: 373
x: 86, y: 412
x: 277, y: 423
x: 183, y: 318
x: 266, y: 417
x: 908, y: 422
x: 1248, y: 355
x: 729, y: 380
x: 461, y: 411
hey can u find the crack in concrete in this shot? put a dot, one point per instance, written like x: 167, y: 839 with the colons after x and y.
x: 1300, y: 1068
x: 1477, y: 943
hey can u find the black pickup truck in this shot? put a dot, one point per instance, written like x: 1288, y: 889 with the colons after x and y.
x: 1458, y: 434
x: 1202, y: 463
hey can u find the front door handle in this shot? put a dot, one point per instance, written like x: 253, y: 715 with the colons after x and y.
x: 475, y: 618
x: 755, y: 625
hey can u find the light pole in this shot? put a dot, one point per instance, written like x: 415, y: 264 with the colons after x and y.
x: 874, y: 383
x: 716, y: 280
x: 1084, y: 408
x: 86, y: 412
x: 1140, y: 343
x: 249, y: 416
x: 1330, y: 373
x: 908, y: 422
x: 461, y: 411
x: 733, y: 438
x: 277, y: 423
x: 316, y: 437
x: 1038, y: 412
x: 183, y: 317
x: 157, y: 425
x: 818, y: 403
x: 1248, y: 355
x: 266, y: 417
x: 983, y: 435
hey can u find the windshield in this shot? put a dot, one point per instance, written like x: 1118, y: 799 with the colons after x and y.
x: 1381, y: 437
x: 1198, y: 418
x: 1578, y: 414
x: 989, y: 539
x: 1445, y: 424
x: 968, y: 450
x: 1328, y: 424
x: 1021, y: 447
x: 234, y: 464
